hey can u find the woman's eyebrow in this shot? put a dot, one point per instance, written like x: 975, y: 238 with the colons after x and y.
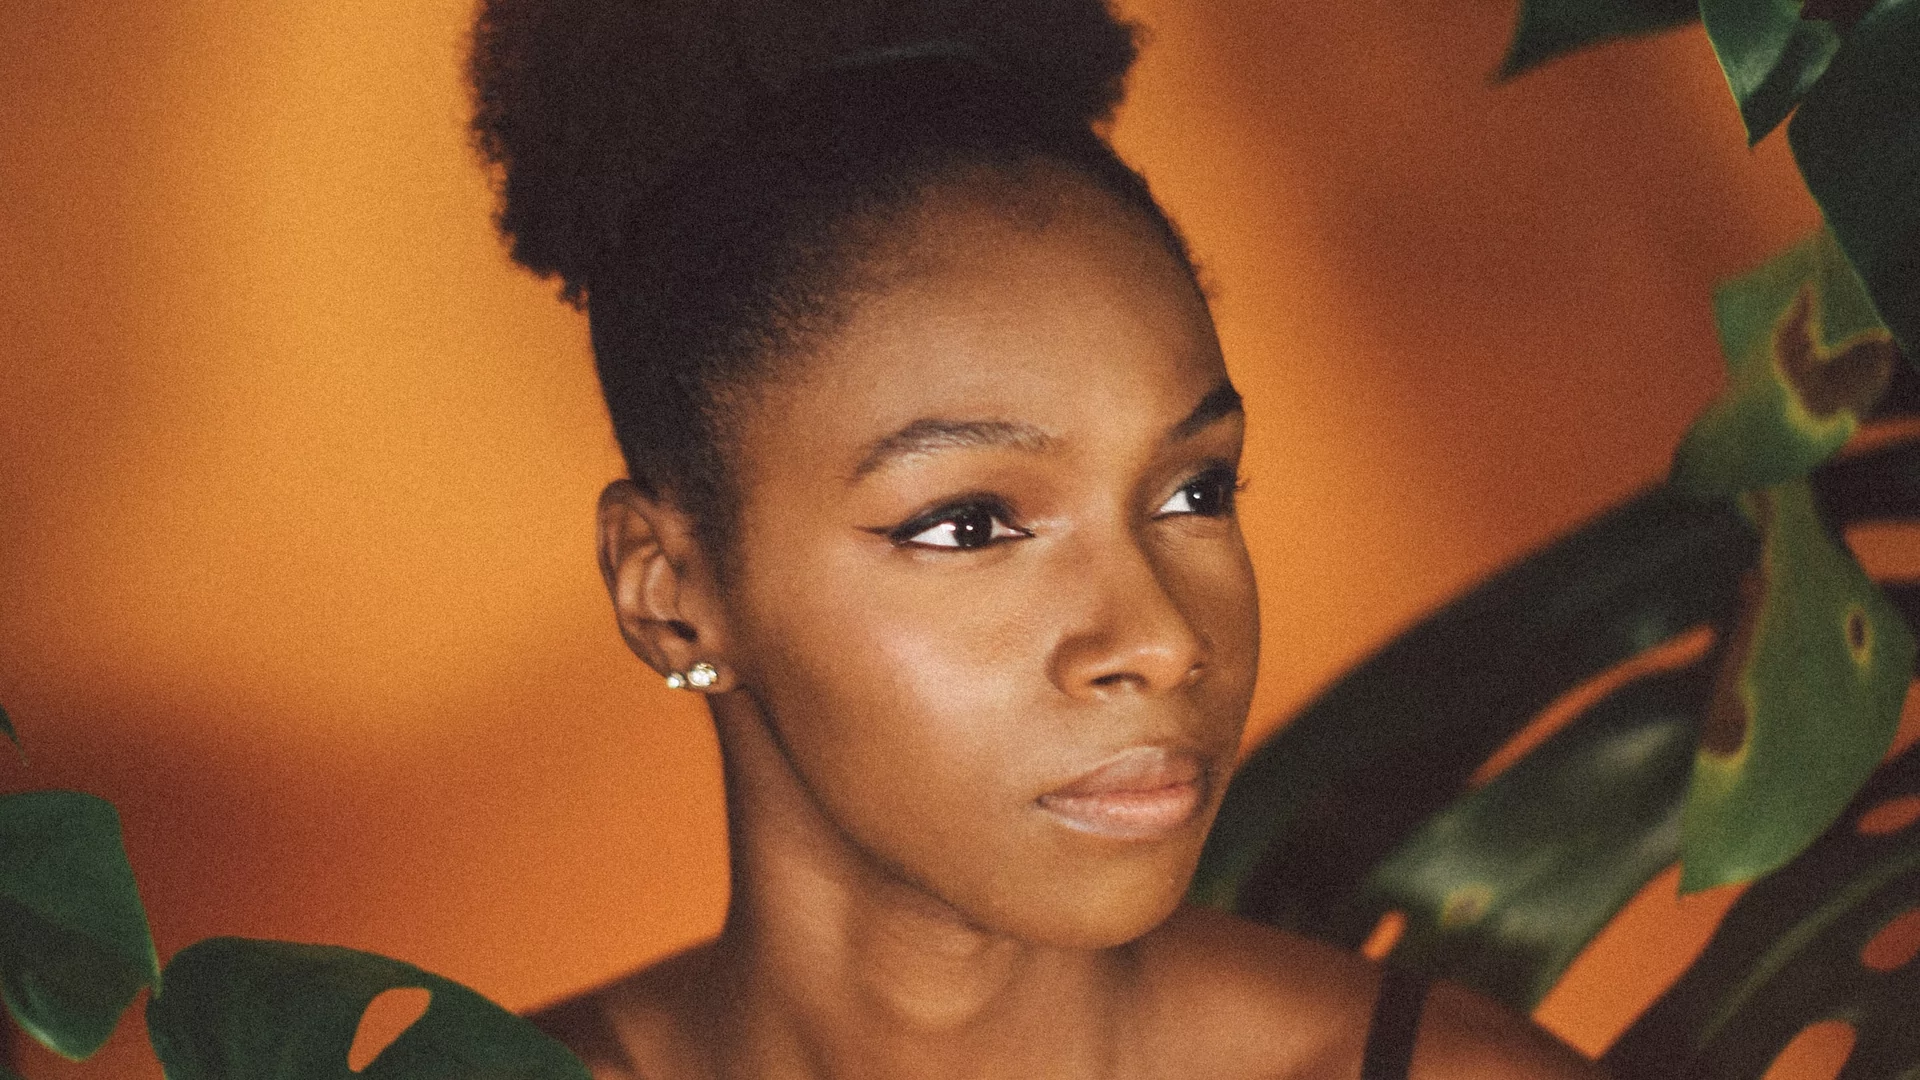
x: 927, y: 435
x: 1222, y: 400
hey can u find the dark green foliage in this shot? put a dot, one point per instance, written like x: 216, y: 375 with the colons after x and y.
x: 1906, y: 600
x: 1788, y: 955
x: 1857, y: 139
x: 1903, y: 394
x: 1503, y: 888
x: 74, y: 950
x: 1770, y: 55
x: 1882, y: 485
x: 1549, y: 28
x: 272, y: 1010
x: 74, y: 946
x: 1312, y: 811
x: 1349, y: 812
x: 6, y: 728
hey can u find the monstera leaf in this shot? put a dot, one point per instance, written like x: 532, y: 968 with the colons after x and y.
x: 1549, y: 28
x: 1502, y: 889
x: 1856, y: 137
x: 273, y: 1010
x: 1770, y: 54
x: 1807, y: 358
x: 1789, y: 954
x: 1881, y: 485
x: 1312, y: 811
x: 74, y: 946
x: 1807, y: 701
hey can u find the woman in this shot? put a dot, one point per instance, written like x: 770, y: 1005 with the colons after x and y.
x: 933, y: 458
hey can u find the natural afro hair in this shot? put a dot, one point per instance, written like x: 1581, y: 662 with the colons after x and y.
x: 703, y: 176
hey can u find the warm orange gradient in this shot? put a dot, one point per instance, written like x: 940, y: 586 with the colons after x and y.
x: 297, y: 472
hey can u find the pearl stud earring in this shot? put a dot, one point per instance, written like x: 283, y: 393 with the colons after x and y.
x: 699, y: 676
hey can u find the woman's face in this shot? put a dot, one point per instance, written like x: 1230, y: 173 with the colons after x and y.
x: 988, y: 588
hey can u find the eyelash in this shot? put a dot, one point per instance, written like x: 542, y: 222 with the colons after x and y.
x: 1229, y: 484
x: 997, y: 515
x: 993, y: 509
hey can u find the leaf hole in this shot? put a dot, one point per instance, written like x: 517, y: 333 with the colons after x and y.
x: 1386, y: 934
x: 1817, y: 1053
x: 388, y: 1016
x: 1889, y: 817
x: 1887, y: 550
x: 1897, y: 943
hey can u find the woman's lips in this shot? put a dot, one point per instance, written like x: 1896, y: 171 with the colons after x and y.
x: 1144, y: 793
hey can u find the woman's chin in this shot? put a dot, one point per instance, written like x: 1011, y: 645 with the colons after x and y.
x: 1103, y: 908
x: 1106, y: 926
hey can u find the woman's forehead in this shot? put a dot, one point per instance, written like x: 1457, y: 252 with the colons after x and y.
x: 1009, y: 318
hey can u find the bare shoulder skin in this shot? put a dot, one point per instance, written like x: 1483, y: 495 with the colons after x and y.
x: 1252, y: 1001
x: 644, y: 1024
x: 1218, y: 997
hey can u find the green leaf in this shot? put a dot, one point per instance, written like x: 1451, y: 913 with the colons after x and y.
x: 1502, y: 889
x: 6, y: 728
x: 274, y: 1010
x: 1857, y: 139
x: 1789, y: 954
x: 1807, y: 358
x: 1550, y: 28
x: 1770, y: 55
x: 1815, y: 673
x: 1315, y: 808
x: 74, y: 946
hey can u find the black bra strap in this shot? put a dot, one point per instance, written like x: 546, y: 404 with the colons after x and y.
x: 1396, y: 1023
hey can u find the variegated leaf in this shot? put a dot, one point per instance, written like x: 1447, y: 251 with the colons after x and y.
x: 1805, y: 704
x: 1807, y: 357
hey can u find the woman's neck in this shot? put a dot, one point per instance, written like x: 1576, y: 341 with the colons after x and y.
x: 832, y: 965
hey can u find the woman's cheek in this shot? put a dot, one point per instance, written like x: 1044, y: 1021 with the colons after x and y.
x: 950, y: 689
x: 909, y: 677
x: 939, y: 723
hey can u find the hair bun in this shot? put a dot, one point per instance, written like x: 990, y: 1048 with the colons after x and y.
x: 585, y: 106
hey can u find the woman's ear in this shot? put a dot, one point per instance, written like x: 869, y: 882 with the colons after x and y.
x: 663, y: 589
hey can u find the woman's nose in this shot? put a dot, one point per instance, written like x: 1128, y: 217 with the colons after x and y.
x: 1130, y: 633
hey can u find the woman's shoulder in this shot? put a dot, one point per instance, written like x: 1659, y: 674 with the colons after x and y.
x: 1228, y: 997
x: 1221, y: 997
x: 638, y: 1025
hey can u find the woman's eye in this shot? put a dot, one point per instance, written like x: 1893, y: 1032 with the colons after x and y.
x: 972, y: 526
x: 1209, y: 495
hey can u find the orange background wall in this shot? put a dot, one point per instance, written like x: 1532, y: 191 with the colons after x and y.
x: 296, y: 472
